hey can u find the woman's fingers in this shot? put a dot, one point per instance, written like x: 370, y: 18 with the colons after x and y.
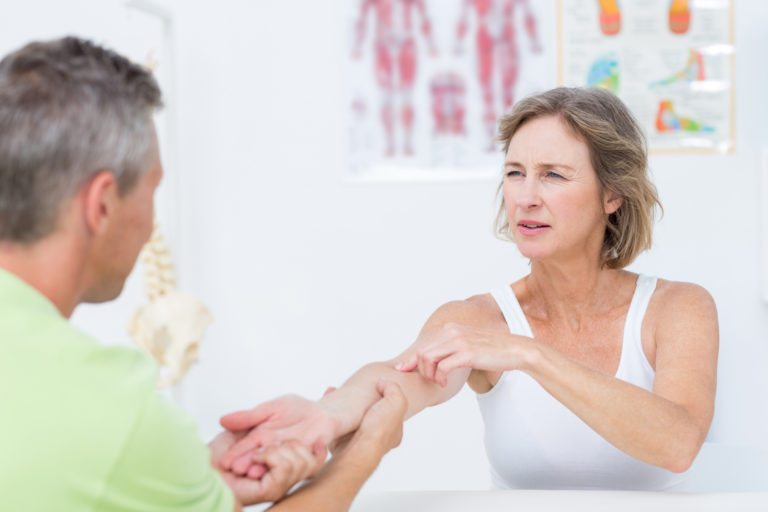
x: 436, y: 355
x: 428, y: 361
x: 257, y: 471
x: 242, y: 464
x: 424, y: 362
x: 448, y: 364
x: 238, y: 453
x: 245, y: 420
x: 408, y: 365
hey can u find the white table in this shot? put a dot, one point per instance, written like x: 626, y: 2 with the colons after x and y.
x: 559, y: 501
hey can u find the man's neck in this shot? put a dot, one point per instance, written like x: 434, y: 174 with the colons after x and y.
x: 51, y: 266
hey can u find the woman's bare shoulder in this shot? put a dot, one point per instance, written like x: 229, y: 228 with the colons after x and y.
x: 676, y: 302
x: 682, y: 294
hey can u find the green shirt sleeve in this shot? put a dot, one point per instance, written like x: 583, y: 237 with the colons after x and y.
x: 165, y: 467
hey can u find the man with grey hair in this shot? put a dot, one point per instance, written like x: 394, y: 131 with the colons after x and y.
x: 81, y: 426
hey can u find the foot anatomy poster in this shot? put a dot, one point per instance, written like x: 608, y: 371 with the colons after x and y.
x: 427, y: 81
x: 671, y: 61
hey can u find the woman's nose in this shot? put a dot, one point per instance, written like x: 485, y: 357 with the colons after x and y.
x: 528, y: 194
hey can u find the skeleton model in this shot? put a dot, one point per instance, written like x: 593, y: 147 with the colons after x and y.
x: 172, y: 324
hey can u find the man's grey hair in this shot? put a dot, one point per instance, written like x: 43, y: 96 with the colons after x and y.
x: 69, y: 109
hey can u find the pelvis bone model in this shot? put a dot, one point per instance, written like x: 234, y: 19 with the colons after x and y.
x: 172, y: 324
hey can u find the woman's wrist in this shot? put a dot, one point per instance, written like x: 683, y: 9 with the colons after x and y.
x: 529, y: 354
x: 347, y: 404
x: 334, y: 406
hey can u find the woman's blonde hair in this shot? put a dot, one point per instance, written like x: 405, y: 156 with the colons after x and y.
x: 618, y: 153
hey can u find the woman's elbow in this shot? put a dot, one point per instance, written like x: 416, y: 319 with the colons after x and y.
x: 681, y: 457
x: 680, y: 464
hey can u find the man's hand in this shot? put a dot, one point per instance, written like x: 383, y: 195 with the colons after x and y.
x: 382, y: 426
x: 280, y: 466
x: 287, y: 417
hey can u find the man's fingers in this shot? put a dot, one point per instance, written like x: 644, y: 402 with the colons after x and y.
x: 288, y: 464
x: 276, y: 481
x: 384, y: 419
x: 394, y: 395
x: 319, y: 452
x: 286, y: 457
x: 302, y: 460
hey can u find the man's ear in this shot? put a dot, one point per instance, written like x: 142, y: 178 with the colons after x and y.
x: 100, y: 196
x: 612, y: 202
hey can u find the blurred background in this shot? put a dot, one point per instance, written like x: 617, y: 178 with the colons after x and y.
x: 311, y: 272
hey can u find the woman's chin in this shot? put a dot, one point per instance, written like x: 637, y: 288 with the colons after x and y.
x: 534, y: 254
x: 532, y: 250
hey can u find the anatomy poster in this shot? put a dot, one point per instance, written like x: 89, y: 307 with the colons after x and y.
x: 669, y: 60
x: 427, y: 81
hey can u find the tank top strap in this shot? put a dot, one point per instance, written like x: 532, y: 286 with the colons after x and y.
x: 513, y: 313
x: 634, y: 365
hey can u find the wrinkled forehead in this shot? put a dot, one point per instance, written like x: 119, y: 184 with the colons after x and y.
x: 548, y: 139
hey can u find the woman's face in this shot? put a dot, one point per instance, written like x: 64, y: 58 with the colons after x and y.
x: 552, y: 194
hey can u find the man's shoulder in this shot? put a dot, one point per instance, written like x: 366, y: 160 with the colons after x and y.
x: 63, y: 373
x: 58, y: 355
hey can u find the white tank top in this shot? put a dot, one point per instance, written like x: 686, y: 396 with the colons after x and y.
x: 535, y: 442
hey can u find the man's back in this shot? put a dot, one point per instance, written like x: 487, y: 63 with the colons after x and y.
x: 81, y: 426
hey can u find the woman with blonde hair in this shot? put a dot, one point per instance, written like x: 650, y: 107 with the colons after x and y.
x: 587, y: 375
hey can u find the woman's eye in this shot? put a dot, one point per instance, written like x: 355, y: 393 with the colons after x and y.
x: 514, y: 173
x: 552, y: 174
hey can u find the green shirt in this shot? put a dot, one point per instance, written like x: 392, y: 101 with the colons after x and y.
x: 81, y: 426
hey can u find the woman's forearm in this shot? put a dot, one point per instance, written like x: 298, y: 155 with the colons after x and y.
x: 642, y: 424
x: 349, y: 402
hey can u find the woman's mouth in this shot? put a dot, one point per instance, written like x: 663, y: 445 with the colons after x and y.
x: 527, y: 227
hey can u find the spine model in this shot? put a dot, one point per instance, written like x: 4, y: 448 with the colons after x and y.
x: 172, y: 324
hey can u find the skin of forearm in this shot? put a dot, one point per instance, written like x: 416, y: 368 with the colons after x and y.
x: 349, y: 402
x: 642, y: 424
x: 334, y: 488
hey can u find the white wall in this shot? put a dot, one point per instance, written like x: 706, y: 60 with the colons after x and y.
x: 310, y: 277
x: 315, y: 277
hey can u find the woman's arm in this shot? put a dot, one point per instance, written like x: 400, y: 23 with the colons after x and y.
x: 354, y: 461
x: 341, y: 411
x: 665, y: 427
x: 334, y: 488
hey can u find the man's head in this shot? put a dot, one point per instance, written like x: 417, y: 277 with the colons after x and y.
x: 76, y: 125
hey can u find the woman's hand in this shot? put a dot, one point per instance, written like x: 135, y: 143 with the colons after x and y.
x: 287, y: 417
x: 459, y: 346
